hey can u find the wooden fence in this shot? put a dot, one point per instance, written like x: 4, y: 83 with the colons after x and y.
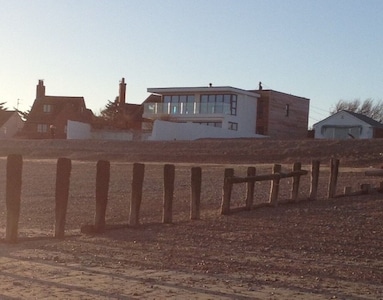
x: 252, y: 178
x: 63, y: 172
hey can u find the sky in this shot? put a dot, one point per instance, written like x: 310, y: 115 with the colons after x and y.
x: 324, y: 50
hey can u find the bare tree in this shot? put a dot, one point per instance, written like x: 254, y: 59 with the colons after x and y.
x: 369, y: 108
x: 2, y: 108
x: 23, y: 114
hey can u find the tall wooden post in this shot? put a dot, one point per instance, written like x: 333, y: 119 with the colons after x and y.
x: 226, y: 193
x: 315, y: 166
x: 137, y: 185
x: 196, y: 181
x: 64, y: 166
x: 334, y: 170
x: 296, y: 179
x: 251, y: 171
x: 169, y: 176
x: 102, y: 189
x: 13, y: 196
x: 275, y: 186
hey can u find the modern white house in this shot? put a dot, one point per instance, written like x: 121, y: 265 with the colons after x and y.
x: 189, y: 113
x: 348, y: 125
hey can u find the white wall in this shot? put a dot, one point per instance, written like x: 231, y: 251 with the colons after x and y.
x: 83, y: 131
x: 245, y: 118
x: 78, y: 130
x: 246, y: 114
x: 13, y: 125
x: 342, y: 119
x: 166, y: 131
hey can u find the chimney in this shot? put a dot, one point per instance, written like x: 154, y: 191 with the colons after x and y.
x: 40, y: 89
x: 122, y: 92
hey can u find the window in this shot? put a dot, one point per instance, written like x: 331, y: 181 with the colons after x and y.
x: 233, y: 105
x: 341, y: 132
x: 47, y: 108
x: 42, y: 128
x: 179, y: 104
x: 214, y: 124
x: 212, y: 104
x: 233, y: 126
x: 287, y: 110
x: 187, y: 104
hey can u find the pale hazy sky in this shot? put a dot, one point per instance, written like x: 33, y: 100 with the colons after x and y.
x: 324, y: 50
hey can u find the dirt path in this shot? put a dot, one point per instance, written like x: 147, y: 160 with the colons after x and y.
x: 326, y: 250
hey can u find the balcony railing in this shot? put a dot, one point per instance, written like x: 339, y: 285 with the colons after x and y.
x: 194, y: 108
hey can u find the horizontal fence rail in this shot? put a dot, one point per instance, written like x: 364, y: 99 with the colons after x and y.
x: 266, y: 177
x: 230, y: 179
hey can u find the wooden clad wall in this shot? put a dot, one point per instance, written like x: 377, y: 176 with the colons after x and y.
x: 287, y: 115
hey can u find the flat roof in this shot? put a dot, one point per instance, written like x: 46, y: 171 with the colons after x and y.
x: 274, y: 91
x: 203, y: 89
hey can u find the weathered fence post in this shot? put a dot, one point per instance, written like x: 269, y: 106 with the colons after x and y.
x: 226, y: 193
x: 347, y: 190
x: 315, y: 166
x: 169, y: 176
x: 334, y: 170
x: 196, y: 181
x: 64, y: 166
x: 13, y: 196
x: 275, y: 186
x: 102, y: 189
x: 365, y: 188
x: 251, y: 171
x: 296, y: 179
x: 137, y: 184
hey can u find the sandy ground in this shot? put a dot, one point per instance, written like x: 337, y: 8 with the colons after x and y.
x: 324, y: 249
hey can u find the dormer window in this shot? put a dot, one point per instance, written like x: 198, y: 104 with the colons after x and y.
x: 47, y: 108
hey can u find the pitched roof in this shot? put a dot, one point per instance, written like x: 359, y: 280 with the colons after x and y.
x: 5, y: 115
x: 361, y: 117
x: 76, y: 105
x: 365, y: 119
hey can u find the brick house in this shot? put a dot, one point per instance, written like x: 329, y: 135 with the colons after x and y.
x: 49, y: 115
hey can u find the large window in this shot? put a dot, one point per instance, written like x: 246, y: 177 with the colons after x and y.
x: 180, y: 104
x: 212, y: 104
x: 341, y: 132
